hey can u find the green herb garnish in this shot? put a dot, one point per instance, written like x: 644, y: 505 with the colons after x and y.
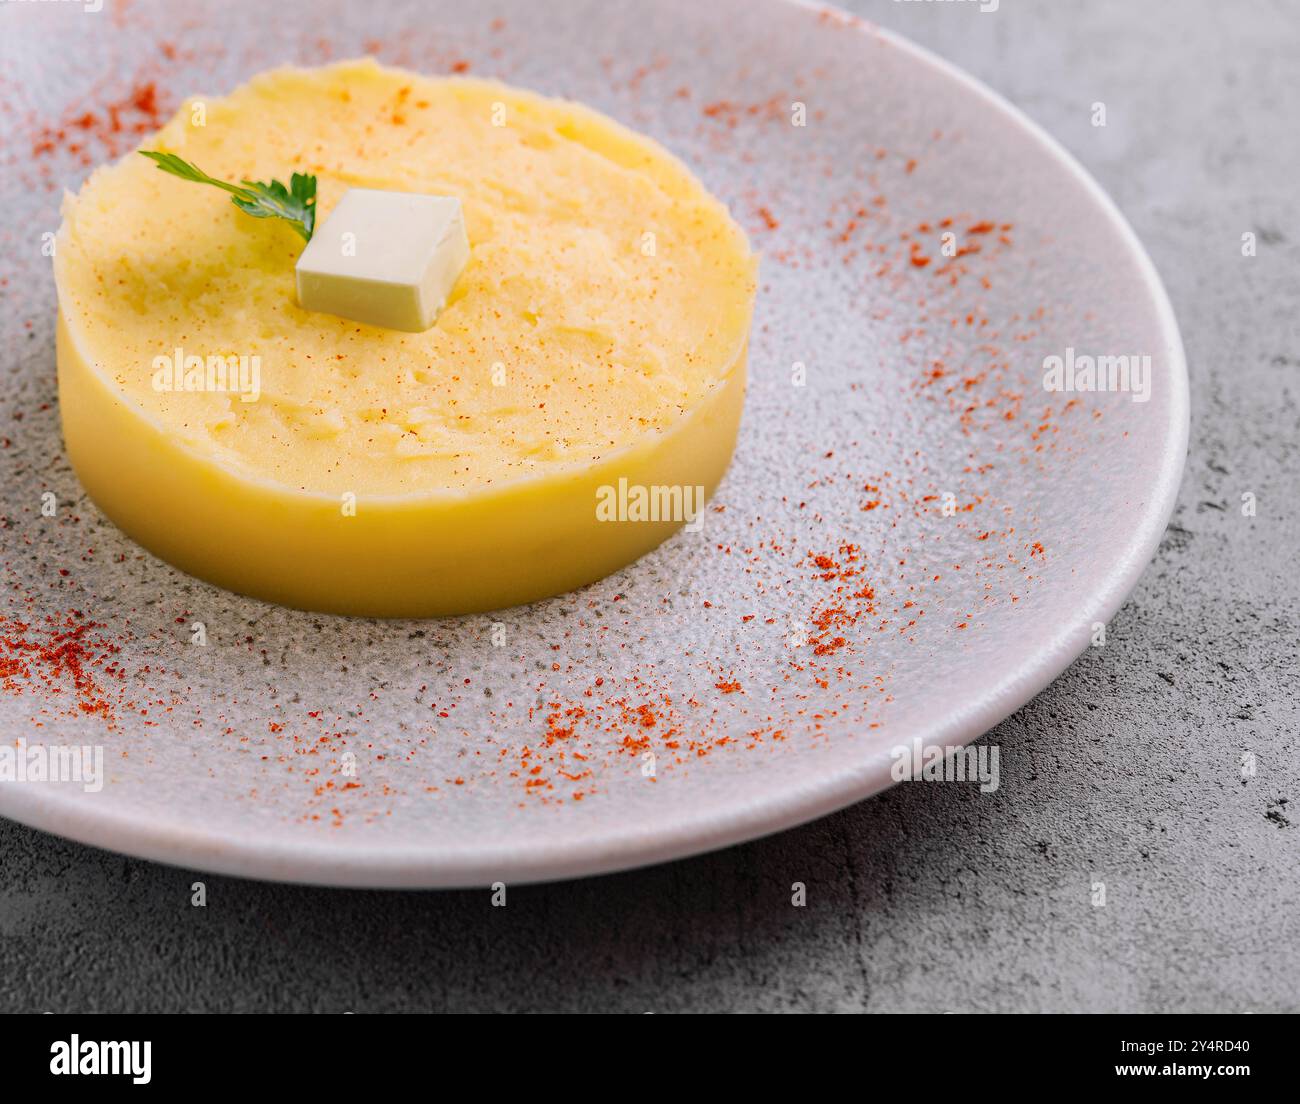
x: 296, y: 203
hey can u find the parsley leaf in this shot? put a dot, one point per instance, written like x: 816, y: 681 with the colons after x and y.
x: 296, y: 204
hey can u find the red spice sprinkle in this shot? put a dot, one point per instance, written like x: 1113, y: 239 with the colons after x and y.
x: 47, y: 657
x: 143, y: 102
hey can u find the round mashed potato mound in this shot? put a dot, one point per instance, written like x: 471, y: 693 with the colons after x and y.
x: 605, y: 286
x: 595, y: 340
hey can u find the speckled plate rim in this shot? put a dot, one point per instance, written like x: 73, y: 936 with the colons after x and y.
x: 181, y: 845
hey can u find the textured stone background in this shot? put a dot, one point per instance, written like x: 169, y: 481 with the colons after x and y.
x: 1126, y: 771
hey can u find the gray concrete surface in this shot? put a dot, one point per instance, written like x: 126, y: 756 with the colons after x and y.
x: 1127, y: 771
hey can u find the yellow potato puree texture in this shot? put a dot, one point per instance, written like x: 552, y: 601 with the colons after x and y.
x: 597, y: 334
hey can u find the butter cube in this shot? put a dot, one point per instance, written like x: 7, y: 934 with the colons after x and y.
x: 386, y: 258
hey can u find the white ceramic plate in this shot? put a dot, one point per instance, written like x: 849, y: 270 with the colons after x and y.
x: 770, y: 686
